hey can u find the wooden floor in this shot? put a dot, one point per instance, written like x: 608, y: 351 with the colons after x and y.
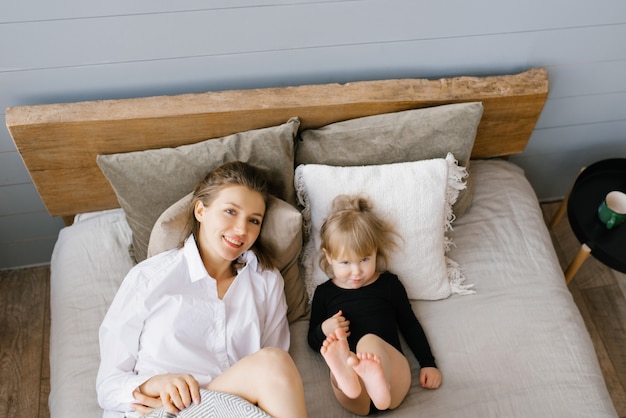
x: 599, y: 293
x: 25, y: 324
x: 24, y: 342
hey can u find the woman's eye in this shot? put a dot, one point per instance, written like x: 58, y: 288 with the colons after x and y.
x: 230, y: 211
x: 255, y: 221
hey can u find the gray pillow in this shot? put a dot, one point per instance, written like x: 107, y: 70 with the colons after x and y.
x: 148, y: 182
x: 398, y: 137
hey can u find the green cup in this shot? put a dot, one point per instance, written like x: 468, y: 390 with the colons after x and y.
x: 612, y: 211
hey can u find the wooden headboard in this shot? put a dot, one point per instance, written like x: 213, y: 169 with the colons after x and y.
x: 59, y: 142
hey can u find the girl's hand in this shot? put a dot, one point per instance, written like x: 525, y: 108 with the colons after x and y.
x: 334, y: 322
x: 430, y: 377
x: 175, y: 391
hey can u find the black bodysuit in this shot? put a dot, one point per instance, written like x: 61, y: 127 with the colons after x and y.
x: 380, y: 308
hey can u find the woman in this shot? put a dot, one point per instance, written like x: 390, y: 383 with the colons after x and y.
x: 209, y: 314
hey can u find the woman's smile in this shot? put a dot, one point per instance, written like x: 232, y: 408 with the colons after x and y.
x: 233, y: 242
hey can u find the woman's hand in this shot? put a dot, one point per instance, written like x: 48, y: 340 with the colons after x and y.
x: 430, y: 377
x: 174, y: 391
x: 145, y: 404
x: 334, y: 322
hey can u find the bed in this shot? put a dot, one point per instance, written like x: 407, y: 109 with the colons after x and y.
x: 502, y: 325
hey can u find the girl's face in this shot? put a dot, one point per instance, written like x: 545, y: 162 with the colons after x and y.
x: 230, y: 224
x: 353, y: 272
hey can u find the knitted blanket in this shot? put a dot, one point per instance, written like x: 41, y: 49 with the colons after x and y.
x: 215, y: 405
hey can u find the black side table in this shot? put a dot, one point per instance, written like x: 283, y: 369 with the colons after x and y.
x: 589, y: 190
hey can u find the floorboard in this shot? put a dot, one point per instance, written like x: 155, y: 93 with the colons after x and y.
x: 23, y: 312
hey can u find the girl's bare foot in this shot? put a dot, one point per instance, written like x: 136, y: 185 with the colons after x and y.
x: 368, y: 367
x: 336, y: 352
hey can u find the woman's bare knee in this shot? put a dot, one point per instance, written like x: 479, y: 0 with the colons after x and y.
x: 275, y: 357
x: 260, y: 375
x: 278, y: 364
x: 280, y: 392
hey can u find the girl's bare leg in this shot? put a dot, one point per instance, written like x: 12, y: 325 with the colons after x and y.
x: 336, y: 353
x: 359, y: 405
x: 384, y: 370
x: 372, y: 374
x: 268, y: 378
x: 346, y: 384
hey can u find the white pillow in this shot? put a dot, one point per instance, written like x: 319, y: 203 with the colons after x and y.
x: 416, y: 197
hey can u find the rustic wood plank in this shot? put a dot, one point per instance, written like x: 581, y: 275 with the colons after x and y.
x: 59, y: 142
x: 22, y: 312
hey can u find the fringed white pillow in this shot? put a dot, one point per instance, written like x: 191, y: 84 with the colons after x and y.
x: 416, y: 197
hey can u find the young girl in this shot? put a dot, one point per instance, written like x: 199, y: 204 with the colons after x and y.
x: 210, y: 314
x: 355, y: 315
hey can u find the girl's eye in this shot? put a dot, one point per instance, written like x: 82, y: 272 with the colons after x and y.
x: 255, y: 221
x: 363, y: 260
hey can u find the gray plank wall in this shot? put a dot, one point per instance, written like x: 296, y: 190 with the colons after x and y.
x: 76, y: 50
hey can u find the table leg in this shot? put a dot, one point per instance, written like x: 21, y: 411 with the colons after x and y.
x: 559, y: 213
x: 563, y: 208
x: 583, y: 253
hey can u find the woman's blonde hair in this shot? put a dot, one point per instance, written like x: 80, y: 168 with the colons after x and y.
x: 236, y: 173
x: 352, y: 229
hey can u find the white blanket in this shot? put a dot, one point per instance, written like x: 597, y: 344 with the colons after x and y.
x: 516, y: 348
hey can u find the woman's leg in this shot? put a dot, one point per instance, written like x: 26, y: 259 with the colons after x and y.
x: 268, y: 378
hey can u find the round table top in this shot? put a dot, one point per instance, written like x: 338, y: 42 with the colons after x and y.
x: 589, y: 190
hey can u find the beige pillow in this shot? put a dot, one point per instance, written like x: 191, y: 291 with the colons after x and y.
x: 416, y: 197
x: 148, y: 182
x: 281, y: 233
x: 409, y: 135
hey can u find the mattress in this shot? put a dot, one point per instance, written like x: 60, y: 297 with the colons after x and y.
x: 518, y: 347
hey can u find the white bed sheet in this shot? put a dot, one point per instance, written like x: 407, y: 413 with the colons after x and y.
x: 516, y: 348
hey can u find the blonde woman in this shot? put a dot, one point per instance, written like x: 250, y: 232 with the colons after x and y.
x: 210, y: 314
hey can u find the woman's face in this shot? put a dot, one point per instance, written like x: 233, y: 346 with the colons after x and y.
x: 230, y: 224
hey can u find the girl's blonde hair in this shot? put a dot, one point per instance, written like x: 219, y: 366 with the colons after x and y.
x: 352, y: 229
x: 236, y: 173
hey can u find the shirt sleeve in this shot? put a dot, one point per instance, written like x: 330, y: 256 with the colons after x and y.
x: 411, y: 328
x: 119, y: 344
x: 318, y: 315
x: 275, y: 332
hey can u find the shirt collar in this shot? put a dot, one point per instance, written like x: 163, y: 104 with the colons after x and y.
x: 247, y: 260
x: 196, y: 266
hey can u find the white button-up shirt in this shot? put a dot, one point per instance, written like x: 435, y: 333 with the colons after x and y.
x: 167, y: 318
